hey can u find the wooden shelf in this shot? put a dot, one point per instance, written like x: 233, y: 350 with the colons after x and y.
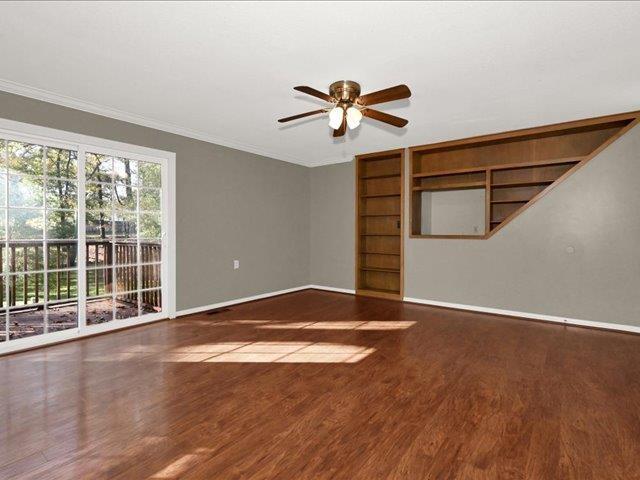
x: 530, y: 183
x: 377, y: 195
x: 506, y: 166
x: 380, y: 234
x: 508, y: 201
x: 379, y: 253
x: 377, y: 269
x: 379, y: 214
x: 451, y: 186
x: 380, y: 290
x: 389, y: 175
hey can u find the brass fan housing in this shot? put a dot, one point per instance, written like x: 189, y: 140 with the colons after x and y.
x: 345, y: 91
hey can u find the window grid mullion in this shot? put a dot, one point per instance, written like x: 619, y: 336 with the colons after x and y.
x: 5, y: 266
x: 45, y: 248
x: 82, y: 244
x: 138, y: 248
x: 114, y: 278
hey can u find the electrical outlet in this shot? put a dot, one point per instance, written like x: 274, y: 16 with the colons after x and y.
x: 236, y: 264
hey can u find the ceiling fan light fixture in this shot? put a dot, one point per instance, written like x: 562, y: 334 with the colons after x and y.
x: 354, y: 116
x: 347, y: 106
x: 336, y: 117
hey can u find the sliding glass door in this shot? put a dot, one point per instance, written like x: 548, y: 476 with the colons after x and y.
x: 81, y: 239
x: 123, y: 237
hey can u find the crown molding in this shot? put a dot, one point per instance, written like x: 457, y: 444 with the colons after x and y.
x: 89, y: 107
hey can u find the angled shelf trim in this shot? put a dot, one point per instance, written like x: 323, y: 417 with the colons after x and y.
x: 514, y: 168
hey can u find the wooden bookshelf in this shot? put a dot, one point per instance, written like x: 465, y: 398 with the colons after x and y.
x: 379, y: 224
x: 515, y: 168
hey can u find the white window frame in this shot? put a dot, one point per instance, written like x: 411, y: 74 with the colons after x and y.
x: 26, y: 132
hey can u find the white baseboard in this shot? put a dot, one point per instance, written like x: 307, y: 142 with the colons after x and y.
x: 204, y: 308
x: 533, y: 316
x: 333, y: 289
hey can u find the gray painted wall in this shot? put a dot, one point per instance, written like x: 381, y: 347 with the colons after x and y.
x: 455, y: 212
x: 230, y: 205
x: 333, y: 225
x: 527, y: 266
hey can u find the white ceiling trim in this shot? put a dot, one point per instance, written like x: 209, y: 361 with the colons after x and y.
x: 65, y: 101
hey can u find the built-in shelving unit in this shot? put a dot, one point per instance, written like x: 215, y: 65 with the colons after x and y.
x: 379, y: 224
x: 515, y: 168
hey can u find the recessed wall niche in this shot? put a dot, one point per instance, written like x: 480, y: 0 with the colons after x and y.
x: 455, y: 183
x: 453, y: 212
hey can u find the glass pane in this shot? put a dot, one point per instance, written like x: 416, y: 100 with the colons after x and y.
x: 99, y: 310
x: 150, y: 199
x: 25, y: 158
x: 98, y: 168
x: 26, y: 256
x: 127, y: 306
x: 150, y: 252
x: 62, y: 255
x: 98, y: 196
x: 126, y: 253
x: 125, y: 171
x: 26, y: 289
x: 61, y: 224
x: 125, y: 197
x: 3, y: 224
x: 150, y: 276
x: 26, y: 323
x: 3, y: 145
x: 62, y: 163
x: 150, y: 174
x: 26, y: 191
x: 150, y: 225
x: 126, y: 226
x: 99, y: 253
x: 126, y: 278
x: 62, y: 285
x: 3, y: 304
x: 99, y: 281
x: 62, y: 194
x: 62, y: 316
x: 98, y: 225
x: 3, y: 189
x: 151, y: 301
x: 26, y: 224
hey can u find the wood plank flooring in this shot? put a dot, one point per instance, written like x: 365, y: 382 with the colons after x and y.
x: 317, y: 385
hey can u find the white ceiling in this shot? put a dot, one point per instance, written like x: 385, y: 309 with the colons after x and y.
x: 224, y: 72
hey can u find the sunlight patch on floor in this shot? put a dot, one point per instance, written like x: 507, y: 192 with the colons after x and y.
x: 241, y: 352
x: 179, y: 466
x: 275, y: 352
x: 372, y: 325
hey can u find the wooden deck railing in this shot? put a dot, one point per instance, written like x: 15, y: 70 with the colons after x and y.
x: 27, y: 257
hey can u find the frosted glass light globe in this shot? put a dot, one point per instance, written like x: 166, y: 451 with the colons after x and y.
x: 336, y: 116
x: 353, y: 117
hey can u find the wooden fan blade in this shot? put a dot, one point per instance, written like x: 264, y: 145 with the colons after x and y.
x: 384, y: 117
x: 387, y: 95
x: 314, y: 93
x: 343, y: 128
x: 301, y: 115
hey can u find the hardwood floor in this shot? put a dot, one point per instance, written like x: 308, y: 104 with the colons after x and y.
x: 317, y: 385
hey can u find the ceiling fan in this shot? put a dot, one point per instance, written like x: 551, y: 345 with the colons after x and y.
x: 348, y: 106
